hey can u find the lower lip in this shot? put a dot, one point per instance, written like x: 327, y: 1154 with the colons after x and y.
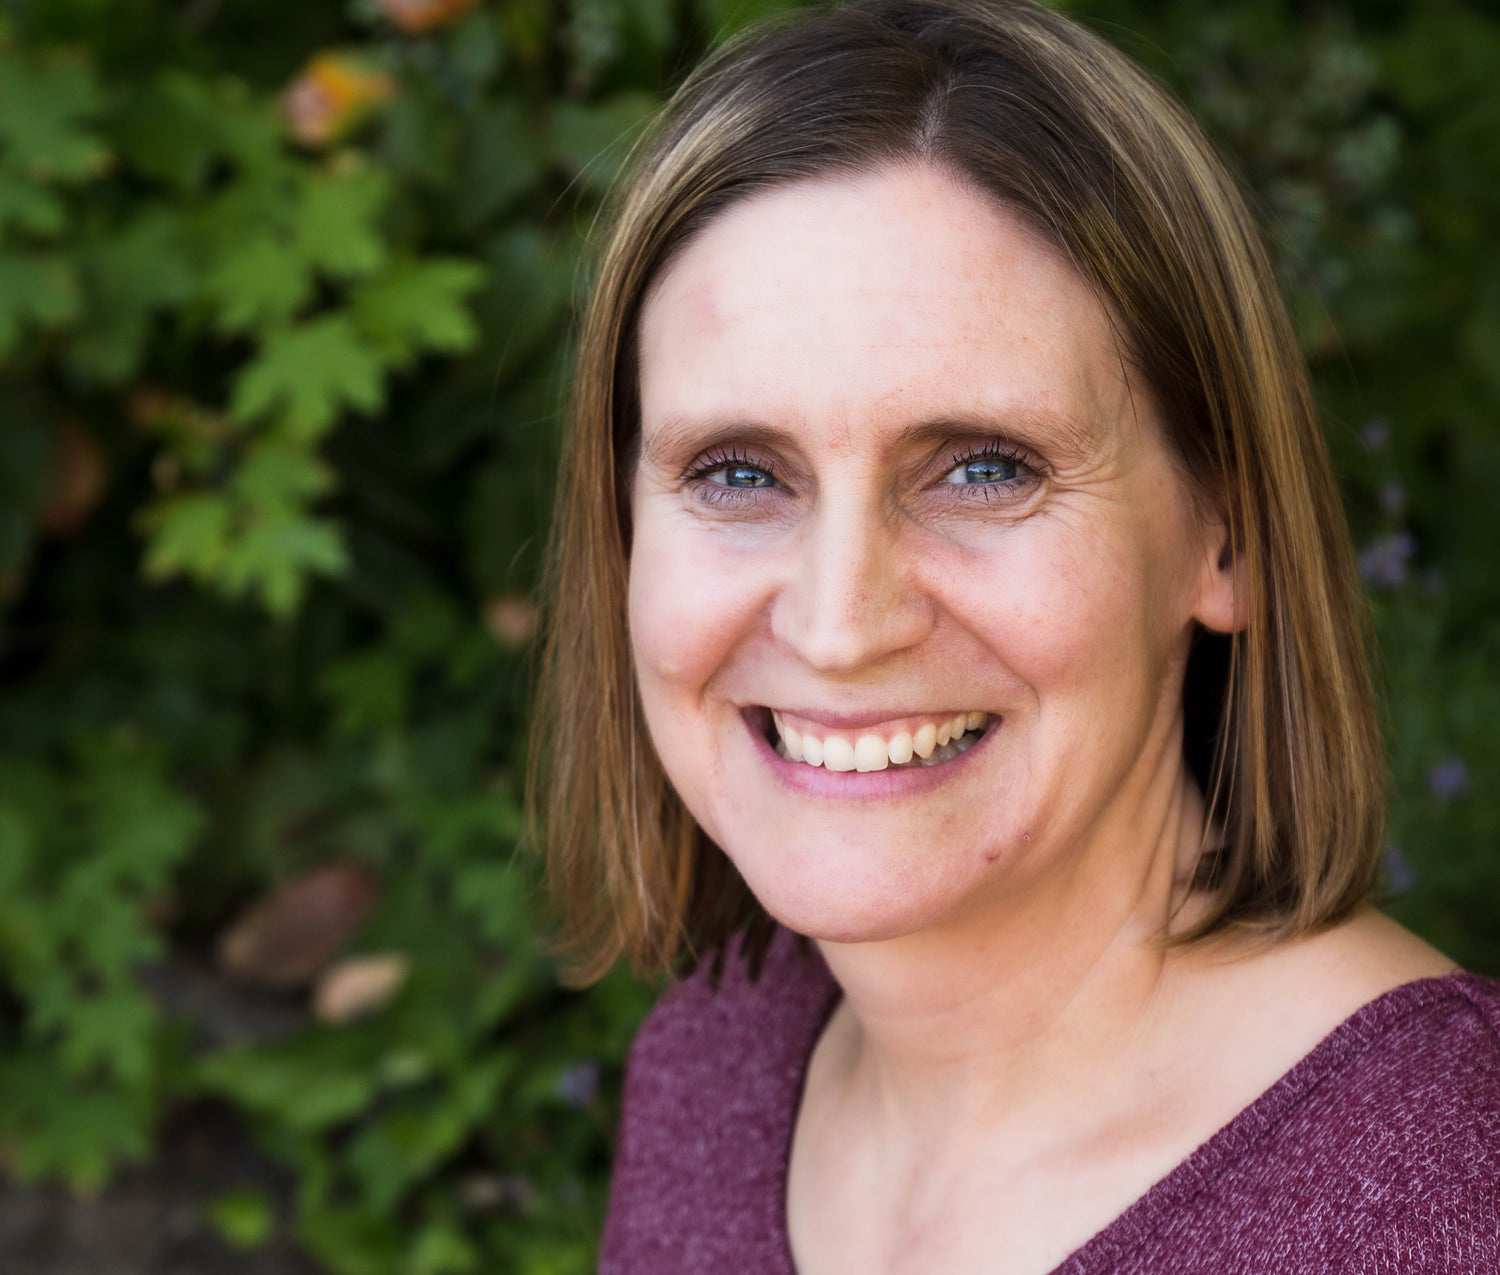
x: 892, y: 783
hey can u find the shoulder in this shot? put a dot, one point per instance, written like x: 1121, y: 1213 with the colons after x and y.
x: 711, y: 1090
x: 1428, y: 1053
x: 1404, y: 1092
x: 1390, y: 1133
x: 1382, y: 1137
x: 1417, y: 1037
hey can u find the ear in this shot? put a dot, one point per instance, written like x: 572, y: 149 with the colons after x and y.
x: 1223, y: 604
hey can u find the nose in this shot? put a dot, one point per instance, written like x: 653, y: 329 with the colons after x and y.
x: 851, y: 596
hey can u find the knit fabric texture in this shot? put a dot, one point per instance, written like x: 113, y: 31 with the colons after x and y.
x: 1378, y: 1152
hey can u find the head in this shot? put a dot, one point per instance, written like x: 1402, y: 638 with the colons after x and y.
x: 865, y: 259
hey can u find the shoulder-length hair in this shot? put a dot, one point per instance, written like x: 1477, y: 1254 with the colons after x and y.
x: 1074, y: 139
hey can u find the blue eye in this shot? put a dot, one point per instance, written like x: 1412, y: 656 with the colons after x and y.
x: 982, y: 469
x: 726, y: 475
x: 740, y: 476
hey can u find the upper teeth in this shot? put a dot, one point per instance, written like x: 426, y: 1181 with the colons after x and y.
x: 875, y: 749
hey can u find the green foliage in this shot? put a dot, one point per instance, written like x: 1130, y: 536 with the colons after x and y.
x: 244, y: 1218
x: 87, y: 844
x: 277, y: 422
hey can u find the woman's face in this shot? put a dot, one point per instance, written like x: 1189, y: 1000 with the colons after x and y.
x: 895, y: 482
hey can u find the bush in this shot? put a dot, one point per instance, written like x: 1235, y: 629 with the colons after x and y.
x: 284, y: 299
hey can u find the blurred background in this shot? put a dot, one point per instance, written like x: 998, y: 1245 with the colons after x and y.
x: 285, y: 298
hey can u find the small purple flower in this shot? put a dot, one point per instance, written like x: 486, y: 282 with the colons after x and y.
x: 1392, y: 498
x: 1384, y: 562
x: 1398, y: 873
x: 1375, y: 434
x: 1448, y: 779
x: 578, y: 1085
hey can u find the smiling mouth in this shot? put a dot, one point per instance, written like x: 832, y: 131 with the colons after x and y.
x: 907, y: 744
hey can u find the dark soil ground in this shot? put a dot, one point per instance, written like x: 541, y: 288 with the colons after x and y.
x: 155, y: 1219
x: 152, y: 1220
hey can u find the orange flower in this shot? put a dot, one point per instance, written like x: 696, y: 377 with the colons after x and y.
x: 416, y: 16
x: 332, y: 96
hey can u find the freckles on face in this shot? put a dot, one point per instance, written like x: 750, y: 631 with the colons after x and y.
x: 889, y: 472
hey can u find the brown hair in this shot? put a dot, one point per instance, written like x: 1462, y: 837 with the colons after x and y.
x: 1072, y: 137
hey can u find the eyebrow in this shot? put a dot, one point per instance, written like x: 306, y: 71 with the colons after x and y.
x: 1063, y: 436
x: 680, y: 435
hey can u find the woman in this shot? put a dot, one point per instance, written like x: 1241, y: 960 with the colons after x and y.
x: 949, y: 571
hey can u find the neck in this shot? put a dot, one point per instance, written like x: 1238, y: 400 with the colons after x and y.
x: 1042, y: 994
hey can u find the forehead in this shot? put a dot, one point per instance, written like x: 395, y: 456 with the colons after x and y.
x: 888, y: 297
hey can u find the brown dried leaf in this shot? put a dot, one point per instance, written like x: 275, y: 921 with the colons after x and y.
x: 79, y: 479
x: 285, y: 940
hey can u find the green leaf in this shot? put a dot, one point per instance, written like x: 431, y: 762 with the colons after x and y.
x: 367, y: 691
x: 724, y: 17
x: 36, y: 289
x: 260, y: 283
x: 308, y: 374
x: 417, y: 1133
x: 246, y: 1219
x: 275, y: 554
x: 276, y: 473
x: 656, y: 20
x: 502, y: 159
x: 592, y: 139
x: 137, y: 823
x: 187, y: 535
x: 28, y: 206
x: 45, y: 109
x: 336, y: 227
x: 257, y: 204
x: 55, y: 1127
x: 419, y: 305
x: 529, y: 284
x: 171, y: 129
x: 354, y: 1241
x: 303, y: 1088
x: 442, y: 1249
x: 128, y: 275
x: 110, y: 1034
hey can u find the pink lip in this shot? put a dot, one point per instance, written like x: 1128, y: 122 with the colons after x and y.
x: 854, y: 785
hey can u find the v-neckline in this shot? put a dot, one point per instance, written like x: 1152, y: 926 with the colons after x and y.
x: 1142, y: 1218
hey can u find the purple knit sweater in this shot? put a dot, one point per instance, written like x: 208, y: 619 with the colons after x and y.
x: 1378, y: 1152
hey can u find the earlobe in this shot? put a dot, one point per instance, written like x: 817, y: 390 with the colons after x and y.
x: 1224, y: 603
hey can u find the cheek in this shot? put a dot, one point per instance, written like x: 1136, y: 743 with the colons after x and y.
x: 1065, y: 605
x: 689, y: 607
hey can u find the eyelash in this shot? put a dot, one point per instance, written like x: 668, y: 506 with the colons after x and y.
x: 1027, y: 468
x: 725, y: 458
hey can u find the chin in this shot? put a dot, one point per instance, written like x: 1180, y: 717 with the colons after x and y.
x: 851, y: 897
